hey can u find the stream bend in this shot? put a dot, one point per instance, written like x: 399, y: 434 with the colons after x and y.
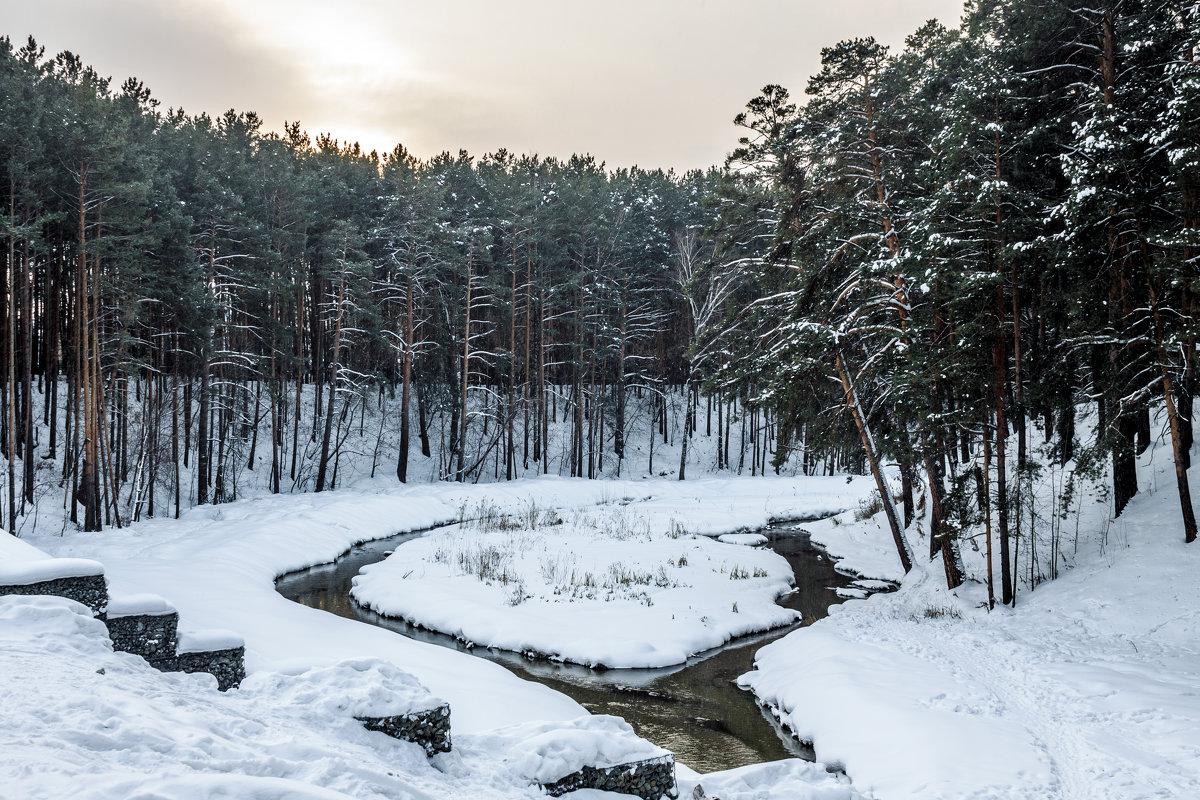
x: 693, y: 709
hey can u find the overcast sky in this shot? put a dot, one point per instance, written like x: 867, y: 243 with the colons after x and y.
x: 649, y: 82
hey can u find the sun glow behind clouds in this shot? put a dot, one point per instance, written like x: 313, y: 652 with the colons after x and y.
x: 649, y: 82
x: 347, y: 58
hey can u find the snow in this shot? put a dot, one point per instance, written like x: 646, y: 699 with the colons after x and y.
x: 860, y: 547
x: 204, y: 641
x: 1089, y: 688
x: 97, y: 725
x: 544, y: 752
x: 790, y: 779
x: 22, y: 564
x: 748, y: 539
x: 608, y: 586
x: 13, y: 550
x: 134, y: 732
x: 136, y: 605
x: 360, y: 688
x: 24, y: 573
x: 217, y: 565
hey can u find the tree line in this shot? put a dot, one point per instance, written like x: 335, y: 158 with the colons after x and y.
x: 968, y: 261
x: 189, y: 298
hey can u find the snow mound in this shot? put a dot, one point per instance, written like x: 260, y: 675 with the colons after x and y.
x: 603, y: 589
x: 97, y: 725
x: 788, y: 779
x: 748, y: 539
x: 24, y: 572
x: 358, y: 688
x: 27, y: 621
x: 543, y: 752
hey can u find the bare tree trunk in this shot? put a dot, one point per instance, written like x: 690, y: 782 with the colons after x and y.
x: 175, y: 419
x: 985, y: 491
x: 545, y: 420
x: 11, y: 364
x: 683, y: 449
x: 1006, y: 582
x: 721, y: 462
x: 466, y: 375
x: 938, y: 540
x: 334, y: 370
x: 27, y: 380
x: 406, y: 382
x: 510, y: 412
x: 1181, y: 477
x: 850, y: 397
x: 528, y: 331
x: 202, y: 434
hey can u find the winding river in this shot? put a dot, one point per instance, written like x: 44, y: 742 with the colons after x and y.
x: 693, y: 709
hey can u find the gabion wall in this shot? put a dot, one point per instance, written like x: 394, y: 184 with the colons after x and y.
x: 430, y: 729
x: 651, y: 779
x: 91, y: 590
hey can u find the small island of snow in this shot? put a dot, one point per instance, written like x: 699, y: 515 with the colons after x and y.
x: 604, y: 586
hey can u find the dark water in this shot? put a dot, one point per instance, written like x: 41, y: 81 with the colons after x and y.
x: 693, y: 709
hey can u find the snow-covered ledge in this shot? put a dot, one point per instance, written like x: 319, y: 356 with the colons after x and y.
x: 378, y: 694
x: 26, y: 570
x: 144, y: 624
x: 220, y: 653
x: 593, y: 752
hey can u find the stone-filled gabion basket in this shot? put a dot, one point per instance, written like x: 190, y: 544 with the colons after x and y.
x: 91, y: 590
x: 651, y: 779
x: 151, y: 636
x: 143, y: 624
x: 219, y: 653
x: 228, y: 665
x: 430, y: 729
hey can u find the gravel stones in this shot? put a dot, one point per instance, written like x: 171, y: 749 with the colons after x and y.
x: 651, y: 779
x: 430, y: 729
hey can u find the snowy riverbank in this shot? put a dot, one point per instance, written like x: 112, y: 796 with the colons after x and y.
x: 1089, y: 688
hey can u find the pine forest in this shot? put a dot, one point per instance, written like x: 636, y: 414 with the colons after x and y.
x: 961, y: 277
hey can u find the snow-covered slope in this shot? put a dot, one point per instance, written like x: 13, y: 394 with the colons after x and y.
x: 1089, y: 688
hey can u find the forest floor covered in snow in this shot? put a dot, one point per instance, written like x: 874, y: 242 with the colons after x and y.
x: 1089, y: 688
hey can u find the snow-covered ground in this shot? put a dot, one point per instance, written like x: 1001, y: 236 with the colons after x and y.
x: 81, y: 721
x: 217, y: 566
x: 1089, y: 688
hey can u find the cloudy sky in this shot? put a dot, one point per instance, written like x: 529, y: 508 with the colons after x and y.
x: 647, y: 82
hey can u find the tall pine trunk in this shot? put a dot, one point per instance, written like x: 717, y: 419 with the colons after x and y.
x: 406, y: 382
x: 850, y: 398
